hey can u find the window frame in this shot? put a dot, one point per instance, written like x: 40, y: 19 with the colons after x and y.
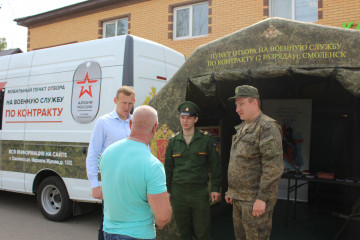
x: 116, y: 25
x: 191, y: 10
x: 292, y: 10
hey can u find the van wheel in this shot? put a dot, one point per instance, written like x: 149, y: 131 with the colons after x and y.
x: 53, y: 199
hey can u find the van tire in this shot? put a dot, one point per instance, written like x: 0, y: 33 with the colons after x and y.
x: 53, y: 199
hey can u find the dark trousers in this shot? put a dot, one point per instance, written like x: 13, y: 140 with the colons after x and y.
x: 100, y: 232
x: 109, y: 236
x: 191, y: 210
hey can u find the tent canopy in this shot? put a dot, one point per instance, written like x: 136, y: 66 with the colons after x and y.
x: 284, y: 59
x: 278, y: 47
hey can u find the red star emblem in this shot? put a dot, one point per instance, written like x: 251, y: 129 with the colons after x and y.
x: 2, y: 85
x: 270, y: 31
x: 88, y: 91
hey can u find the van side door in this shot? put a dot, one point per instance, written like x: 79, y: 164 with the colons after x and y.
x: 13, y: 155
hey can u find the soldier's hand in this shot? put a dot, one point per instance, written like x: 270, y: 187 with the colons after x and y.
x: 215, y: 196
x: 258, y: 208
x: 97, y: 193
x: 228, y: 200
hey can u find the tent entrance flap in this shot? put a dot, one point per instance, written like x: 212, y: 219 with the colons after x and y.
x: 206, y: 84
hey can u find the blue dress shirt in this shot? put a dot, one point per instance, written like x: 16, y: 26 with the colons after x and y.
x: 108, y: 129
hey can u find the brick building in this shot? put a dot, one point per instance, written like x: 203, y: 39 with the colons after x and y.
x: 179, y: 24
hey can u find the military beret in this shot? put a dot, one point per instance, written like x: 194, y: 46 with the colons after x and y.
x: 189, y: 108
x: 245, y: 91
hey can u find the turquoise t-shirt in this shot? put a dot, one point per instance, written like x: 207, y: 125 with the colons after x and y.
x: 128, y: 173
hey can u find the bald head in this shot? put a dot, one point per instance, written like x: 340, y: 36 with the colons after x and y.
x: 144, y: 118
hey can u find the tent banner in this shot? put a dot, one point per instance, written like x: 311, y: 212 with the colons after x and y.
x: 294, y: 117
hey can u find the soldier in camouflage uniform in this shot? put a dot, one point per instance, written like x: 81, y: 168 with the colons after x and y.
x: 189, y: 156
x: 255, y: 167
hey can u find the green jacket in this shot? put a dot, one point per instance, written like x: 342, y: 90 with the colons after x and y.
x: 191, y: 164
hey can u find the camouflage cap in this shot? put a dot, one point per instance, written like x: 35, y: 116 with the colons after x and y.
x: 189, y: 109
x: 245, y: 91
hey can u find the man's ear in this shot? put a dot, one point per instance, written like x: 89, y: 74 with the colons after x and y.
x: 115, y: 100
x: 155, y: 127
x: 196, y: 119
x: 130, y: 123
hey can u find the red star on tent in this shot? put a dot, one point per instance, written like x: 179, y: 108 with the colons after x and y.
x: 82, y: 92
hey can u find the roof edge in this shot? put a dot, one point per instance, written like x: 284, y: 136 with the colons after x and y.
x: 64, y: 11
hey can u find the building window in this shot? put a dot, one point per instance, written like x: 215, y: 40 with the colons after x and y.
x: 301, y: 10
x: 191, y: 21
x: 115, y: 28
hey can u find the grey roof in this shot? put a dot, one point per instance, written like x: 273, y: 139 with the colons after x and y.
x: 10, y: 51
x: 66, y: 11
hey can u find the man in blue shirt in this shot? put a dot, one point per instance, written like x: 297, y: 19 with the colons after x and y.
x: 108, y: 129
x: 133, y: 183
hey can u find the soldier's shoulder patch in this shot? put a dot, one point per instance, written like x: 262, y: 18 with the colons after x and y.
x: 174, y: 135
x: 265, y: 125
x: 267, y: 122
x: 204, y: 132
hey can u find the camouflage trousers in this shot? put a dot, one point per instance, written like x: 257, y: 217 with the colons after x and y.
x: 248, y: 227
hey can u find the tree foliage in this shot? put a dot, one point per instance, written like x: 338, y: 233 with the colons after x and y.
x: 3, y: 44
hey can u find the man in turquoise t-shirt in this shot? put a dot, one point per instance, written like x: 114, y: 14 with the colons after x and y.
x: 133, y: 183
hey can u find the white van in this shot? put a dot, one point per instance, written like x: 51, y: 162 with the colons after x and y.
x: 49, y: 101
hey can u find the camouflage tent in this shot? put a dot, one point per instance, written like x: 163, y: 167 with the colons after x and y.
x: 284, y: 59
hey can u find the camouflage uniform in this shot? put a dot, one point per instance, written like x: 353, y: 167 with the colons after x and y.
x: 255, y: 168
x: 187, y: 174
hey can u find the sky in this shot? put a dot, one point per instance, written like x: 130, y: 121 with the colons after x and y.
x: 16, y: 36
